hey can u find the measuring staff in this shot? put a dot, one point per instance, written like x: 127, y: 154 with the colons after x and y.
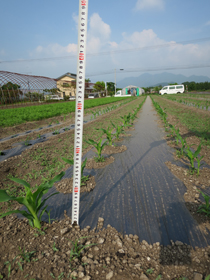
x: 80, y: 92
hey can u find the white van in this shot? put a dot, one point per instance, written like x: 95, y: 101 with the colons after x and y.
x: 172, y: 89
x: 93, y: 95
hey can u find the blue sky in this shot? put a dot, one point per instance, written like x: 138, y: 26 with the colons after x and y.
x: 136, y: 35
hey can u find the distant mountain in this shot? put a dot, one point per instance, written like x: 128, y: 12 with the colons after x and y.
x: 152, y: 80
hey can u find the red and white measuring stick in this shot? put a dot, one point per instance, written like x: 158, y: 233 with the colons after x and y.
x: 81, y: 61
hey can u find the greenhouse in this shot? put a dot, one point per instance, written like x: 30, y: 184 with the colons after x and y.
x: 131, y: 91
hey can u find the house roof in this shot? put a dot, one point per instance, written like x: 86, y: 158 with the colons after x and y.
x: 68, y: 74
x: 90, y: 86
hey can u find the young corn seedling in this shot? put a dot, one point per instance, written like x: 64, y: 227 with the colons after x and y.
x: 83, y: 178
x: 177, y: 135
x: 126, y: 120
x: 119, y: 129
x: 26, y: 142
x: 56, y: 132
x: 32, y: 201
x: 205, y: 208
x: 192, y: 156
x: 184, y: 144
x: 172, y: 127
x: 94, y: 114
x: 99, y: 147
x: 109, y: 135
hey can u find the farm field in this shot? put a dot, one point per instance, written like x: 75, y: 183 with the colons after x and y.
x: 191, y: 100
x: 139, y: 220
x: 15, y: 116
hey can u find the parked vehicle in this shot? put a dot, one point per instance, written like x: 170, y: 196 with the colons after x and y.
x: 72, y: 97
x: 55, y: 97
x: 173, y: 89
x: 93, y: 95
x: 120, y: 94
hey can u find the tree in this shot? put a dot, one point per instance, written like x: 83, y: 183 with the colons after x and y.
x: 99, y: 86
x: 110, y: 87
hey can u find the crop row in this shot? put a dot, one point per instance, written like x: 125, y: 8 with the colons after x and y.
x: 185, y: 151
x: 200, y: 104
x: 197, y: 122
x: 10, y: 117
x: 194, y: 95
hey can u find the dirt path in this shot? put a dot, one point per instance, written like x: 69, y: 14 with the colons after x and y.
x: 137, y: 193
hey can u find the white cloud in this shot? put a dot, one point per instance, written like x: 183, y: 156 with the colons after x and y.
x: 98, y: 34
x: 98, y: 27
x: 149, y: 4
x: 142, y: 39
x: 140, y: 50
x: 55, y: 50
x: 208, y: 23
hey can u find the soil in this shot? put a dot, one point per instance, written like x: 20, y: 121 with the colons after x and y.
x: 66, y: 185
x: 114, y: 149
x: 105, y: 253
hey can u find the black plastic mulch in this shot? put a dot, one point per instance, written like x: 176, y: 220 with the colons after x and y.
x: 137, y: 193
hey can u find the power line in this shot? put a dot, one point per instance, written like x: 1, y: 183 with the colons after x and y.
x: 108, y: 52
x: 149, y: 69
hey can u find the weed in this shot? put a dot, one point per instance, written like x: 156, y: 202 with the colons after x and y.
x: 77, y: 249
x: 32, y: 201
x: 61, y: 276
x: 9, y: 267
x: 39, y: 232
x: 150, y: 271
x: 49, y: 219
x: 54, y: 248
x: 26, y: 256
x: 51, y: 274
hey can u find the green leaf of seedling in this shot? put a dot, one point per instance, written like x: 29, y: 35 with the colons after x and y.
x: 69, y: 161
x: 43, y: 202
x: 5, y: 197
x: 22, y: 182
x: 197, y: 151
